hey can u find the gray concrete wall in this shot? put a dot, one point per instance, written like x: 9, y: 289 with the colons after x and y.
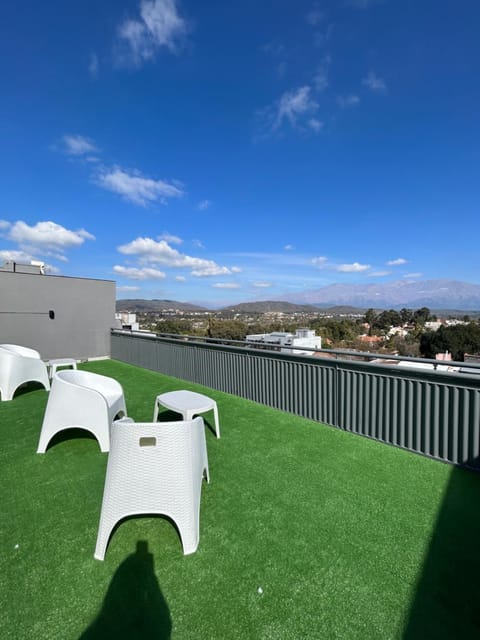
x: 84, y: 313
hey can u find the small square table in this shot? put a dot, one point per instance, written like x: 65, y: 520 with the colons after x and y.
x: 188, y: 404
x: 54, y: 364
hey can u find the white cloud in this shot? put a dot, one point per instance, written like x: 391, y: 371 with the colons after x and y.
x: 379, y: 274
x: 262, y: 285
x: 47, y: 238
x: 354, y: 267
x: 413, y: 275
x: 293, y: 105
x: 48, y: 234
x: 40, y: 240
x: 150, y: 251
x: 236, y: 270
x: 374, y: 82
x: 212, y: 269
x: 135, y: 188
x: 75, y: 145
x: 226, y: 285
x: 15, y: 256
x: 204, y: 204
x: 198, y: 243
x: 51, y: 269
x: 158, y: 25
x: 127, y: 288
x: 321, y: 262
x: 180, y: 278
x: 168, y: 237
x: 348, y: 101
x: 289, y: 247
x: 132, y: 273
x: 396, y: 262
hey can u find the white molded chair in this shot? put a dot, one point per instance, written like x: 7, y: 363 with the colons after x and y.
x: 19, y: 365
x: 155, y: 468
x: 83, y: 400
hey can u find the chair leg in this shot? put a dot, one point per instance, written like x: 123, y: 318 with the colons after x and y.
x: 43, y: 442
x: 189, y: 538
x: 105, y: 529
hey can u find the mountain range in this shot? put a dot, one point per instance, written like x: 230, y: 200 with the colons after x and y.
x: 139, y: 305
x: 434, y: 294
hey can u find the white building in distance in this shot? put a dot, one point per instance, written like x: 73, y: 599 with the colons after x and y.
x: 288, y: 342
x: 127, y: 320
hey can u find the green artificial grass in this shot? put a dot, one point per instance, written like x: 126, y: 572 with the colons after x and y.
x: 305, y: 532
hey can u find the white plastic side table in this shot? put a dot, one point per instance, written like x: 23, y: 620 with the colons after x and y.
x: 188, y: 404
x: 54, y: 364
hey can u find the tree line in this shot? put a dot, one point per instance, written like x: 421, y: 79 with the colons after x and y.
x: 345, y: 332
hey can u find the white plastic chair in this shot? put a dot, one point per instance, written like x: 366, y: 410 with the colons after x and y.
x: 83, y: 400
x: 19, y: 365
x: 155, y: 468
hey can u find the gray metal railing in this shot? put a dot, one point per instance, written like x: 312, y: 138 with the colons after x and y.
x: 432, y: 412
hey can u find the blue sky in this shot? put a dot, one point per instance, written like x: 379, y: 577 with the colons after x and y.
x: 218, y: 152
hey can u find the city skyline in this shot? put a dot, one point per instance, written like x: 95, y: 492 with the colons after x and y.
x: 226, y: 153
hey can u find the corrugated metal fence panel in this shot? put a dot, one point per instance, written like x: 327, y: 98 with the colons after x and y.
x: 428, y: 412
x: 434, y: 414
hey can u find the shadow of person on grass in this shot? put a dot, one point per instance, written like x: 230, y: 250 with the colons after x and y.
x: 446, y: 603
x: 134, y: 606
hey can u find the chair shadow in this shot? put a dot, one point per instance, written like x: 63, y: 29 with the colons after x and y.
x: 133, y: 607
x: 447, y: 599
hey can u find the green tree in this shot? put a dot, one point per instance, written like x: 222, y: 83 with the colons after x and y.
x: 228, y: 329
x: 421, y: 316
x: 339, y: 333
x: 406, y: 315
x: 387, y: 319
x: 369, y: 318
x: 172, y: 325
x: 458, y: 340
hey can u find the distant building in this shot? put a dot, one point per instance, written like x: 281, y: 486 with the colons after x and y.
x: 284, y: 342
x: 127, y: 320
x: 433, y: 326
x: 371, y: 341
x: 443, y: 356
x: 397, y: 331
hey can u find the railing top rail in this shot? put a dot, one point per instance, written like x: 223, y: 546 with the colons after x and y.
x: 444, y: 366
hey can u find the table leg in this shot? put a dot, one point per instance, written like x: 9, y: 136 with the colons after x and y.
x: 215, y: 415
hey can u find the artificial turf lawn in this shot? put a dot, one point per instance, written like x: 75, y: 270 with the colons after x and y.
x: 305, y: 532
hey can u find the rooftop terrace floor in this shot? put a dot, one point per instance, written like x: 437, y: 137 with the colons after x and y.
x: 305, y: 532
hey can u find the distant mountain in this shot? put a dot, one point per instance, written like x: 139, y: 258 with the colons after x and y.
x: 156, y: 306
x: 269, y: 306
x: 434, y: 294
x: 341, y: 299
